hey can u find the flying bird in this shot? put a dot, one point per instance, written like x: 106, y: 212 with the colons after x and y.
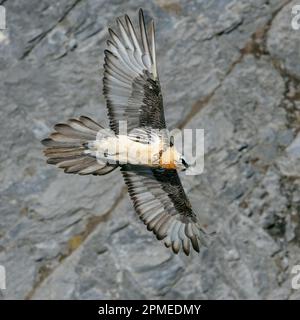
x: 133, y: 95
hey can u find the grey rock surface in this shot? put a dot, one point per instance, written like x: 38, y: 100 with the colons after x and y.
x: 230, y: 67
x: 283, y: 41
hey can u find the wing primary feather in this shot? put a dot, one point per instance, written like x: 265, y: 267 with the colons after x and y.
x: 164, y: 228
x: 184, y: 239
x: 176, y: 246
x: 121, y: 50
x: 115, y: 74
x: 147, y: 56
x: 133, y: 35
x: 174, y: 231
x: 125, y: 34
x: 168, y: 242
x: 118, y: 62
x: 186, y: 246
x: 132, y: 53
x: 188, y: 230
x: 158, y: 230
x: 144, y: 36
x: 195, y: 243
x: 156, y: 220
x: 121, y: 54
x: 114, y: 37
x: 112, y: 63
x: 153, y: 49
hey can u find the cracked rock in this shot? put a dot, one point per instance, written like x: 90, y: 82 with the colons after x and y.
x: 70, y: 237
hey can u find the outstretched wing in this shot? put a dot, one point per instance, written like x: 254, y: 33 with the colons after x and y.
x: 131, y: 85
x: 161, y: 203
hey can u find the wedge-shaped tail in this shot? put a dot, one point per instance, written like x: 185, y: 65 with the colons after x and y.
x: 68, y: 147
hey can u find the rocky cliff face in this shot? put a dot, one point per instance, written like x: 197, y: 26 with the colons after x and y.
x: 230, y: 67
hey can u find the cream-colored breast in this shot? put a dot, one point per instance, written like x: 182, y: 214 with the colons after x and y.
x: 125, y: 150
x: 169, y: 158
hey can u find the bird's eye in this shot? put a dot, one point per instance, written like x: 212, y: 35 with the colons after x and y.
x: 184, y: 162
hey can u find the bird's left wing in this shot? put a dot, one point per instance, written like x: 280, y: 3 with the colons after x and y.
x: 131, y: 86
x: 162, y: 204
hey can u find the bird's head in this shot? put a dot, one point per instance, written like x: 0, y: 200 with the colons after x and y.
x: 172, y: 159
x: 182, y: 164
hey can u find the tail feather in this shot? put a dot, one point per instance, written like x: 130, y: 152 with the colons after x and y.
x: 68, y: 147
x: 69, y: 131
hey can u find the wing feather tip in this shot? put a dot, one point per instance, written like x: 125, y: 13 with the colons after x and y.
x: 46, y: 141
x: 176, y: 246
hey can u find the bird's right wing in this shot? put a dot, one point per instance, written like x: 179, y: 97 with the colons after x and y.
x: 161, y: 203
x: 131, y: 86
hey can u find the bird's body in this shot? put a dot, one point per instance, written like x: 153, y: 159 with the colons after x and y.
x: 125, y: 149
x: 146, y: 157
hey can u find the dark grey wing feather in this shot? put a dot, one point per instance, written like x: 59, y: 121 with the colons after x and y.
x: 131, y: 86
x: 162, y: 204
